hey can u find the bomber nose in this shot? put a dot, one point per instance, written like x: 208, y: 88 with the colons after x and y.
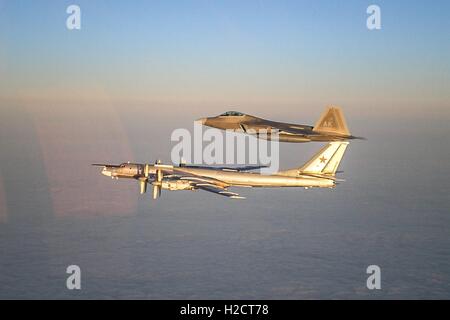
x: 106, y: 172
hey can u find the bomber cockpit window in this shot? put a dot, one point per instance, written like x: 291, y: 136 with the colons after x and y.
x: 231, y: 113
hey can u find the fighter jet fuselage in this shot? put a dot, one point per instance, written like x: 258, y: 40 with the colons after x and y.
x: 330, y: 127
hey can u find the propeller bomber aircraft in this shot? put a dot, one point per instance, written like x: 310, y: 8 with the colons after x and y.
x: 318, y: 172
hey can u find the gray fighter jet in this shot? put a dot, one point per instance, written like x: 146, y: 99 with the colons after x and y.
x: 330, y: 127
x: 318, y: 172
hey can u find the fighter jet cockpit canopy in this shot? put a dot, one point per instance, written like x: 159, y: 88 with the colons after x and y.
x: 232, y: 114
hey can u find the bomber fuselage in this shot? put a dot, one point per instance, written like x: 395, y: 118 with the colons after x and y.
x: 230, y: 178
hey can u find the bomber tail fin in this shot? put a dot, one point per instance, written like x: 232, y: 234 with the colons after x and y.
x: 332, y: 121
x: 323, y: 163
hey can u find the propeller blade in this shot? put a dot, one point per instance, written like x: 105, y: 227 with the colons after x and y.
x: 157, y: 183
x: 156, y: 191
x: 143, y: 185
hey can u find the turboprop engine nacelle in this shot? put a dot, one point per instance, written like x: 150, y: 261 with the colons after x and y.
x: 176, y: 185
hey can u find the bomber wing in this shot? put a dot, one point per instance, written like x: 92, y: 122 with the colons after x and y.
x: 106, y: 165
x: 217, y: 190
x: 205, y: 183
x: 226, y: 168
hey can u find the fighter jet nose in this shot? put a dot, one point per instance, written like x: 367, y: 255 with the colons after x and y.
x: 202, y: 120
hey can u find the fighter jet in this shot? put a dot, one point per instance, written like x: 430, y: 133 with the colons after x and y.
x: 319, y: 172
x: 330, y: 127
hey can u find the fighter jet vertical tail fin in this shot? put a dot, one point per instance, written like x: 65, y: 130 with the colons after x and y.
x: 332, y: 121
x: 324, y: 162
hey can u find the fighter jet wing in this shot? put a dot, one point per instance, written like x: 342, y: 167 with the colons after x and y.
x: 285, y: 128
x: 293, y: 129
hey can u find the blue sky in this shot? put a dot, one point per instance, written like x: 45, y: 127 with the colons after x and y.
x: 228, y: 52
